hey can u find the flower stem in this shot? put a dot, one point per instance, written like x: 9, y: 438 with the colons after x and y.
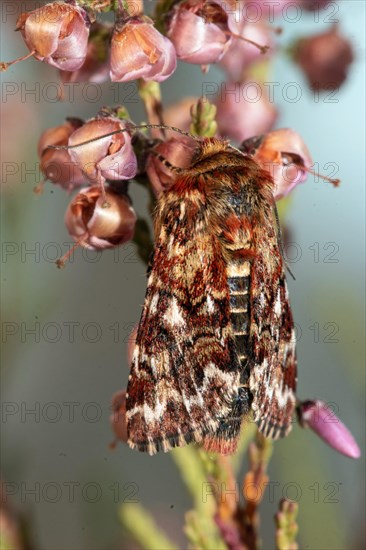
x: 151, y: 96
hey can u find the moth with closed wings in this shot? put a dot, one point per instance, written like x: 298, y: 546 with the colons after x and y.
x: 215, y: 346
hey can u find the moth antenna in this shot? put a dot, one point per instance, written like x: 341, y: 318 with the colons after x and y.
x: 121, y: 130
x: 166, y: 163
x: 235, y: 148
x: 280, y: 242
x: 61, y: 261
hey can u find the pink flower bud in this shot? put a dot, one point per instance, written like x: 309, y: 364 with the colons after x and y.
x: 200, y: 32
x: 138, y: 50
x: 244, y: 110
x: 56, y: 164
x: 94, y: 226
x: 118, y: 417
x: 241, y: 53
x: 110, y: 157
x: 317, y: 416
x: 178, y: 151
x: 324, y: 58
x: 96, y: 65
x: 285, y: 156
x: 57, y: 34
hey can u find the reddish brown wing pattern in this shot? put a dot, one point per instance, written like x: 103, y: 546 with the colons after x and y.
x: 185, y: 369
x: 273, y: 373
x: 216, y: 333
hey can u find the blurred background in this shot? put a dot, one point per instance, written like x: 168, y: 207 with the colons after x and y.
x: 65, y: 332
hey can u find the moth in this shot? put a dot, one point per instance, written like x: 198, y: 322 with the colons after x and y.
x: 215, y: 345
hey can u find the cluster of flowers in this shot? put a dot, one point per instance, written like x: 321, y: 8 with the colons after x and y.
x: 67, y: 35
x: 107, y: 152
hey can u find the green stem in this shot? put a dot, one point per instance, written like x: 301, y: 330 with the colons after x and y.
x: 143, y: 528
x: 150, y: 94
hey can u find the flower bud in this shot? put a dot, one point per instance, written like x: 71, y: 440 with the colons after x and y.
x: 285, y: 156
x: 96, y: 65
x: 324, y: 58
x: 57, y: 34
x: 138, y: 50
x: 56, y: 164
x: 200, y: 32
x: 317, y: 416
x: 96, y: 227
x: 239, y: 117
x: 118, y: 417
x: 178, y: 152
x: 110, y: 157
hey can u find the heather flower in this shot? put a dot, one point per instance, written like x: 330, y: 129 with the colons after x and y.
x: 138, y: 50
x: 178, y: 152
x: 94, y: 226
x: 200, y: 33
x: 96, y: 65
x: 317, y: 416
x: 57, y: 34
x: 110, y: 157
x: 324, y: 58
x: 285, y: 156
x: 56, y: 164
x: 239, y: 117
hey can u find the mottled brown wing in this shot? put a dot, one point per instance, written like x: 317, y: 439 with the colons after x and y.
x: 185, y: 370
x: 273, y: 373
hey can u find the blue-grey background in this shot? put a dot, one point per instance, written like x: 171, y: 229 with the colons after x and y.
x: 52, y: 449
